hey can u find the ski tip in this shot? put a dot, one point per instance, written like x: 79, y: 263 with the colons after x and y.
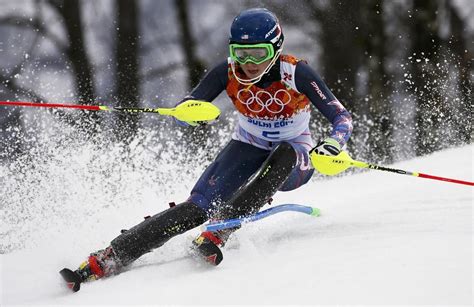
x: 72, y: 279
x: 315, y: 212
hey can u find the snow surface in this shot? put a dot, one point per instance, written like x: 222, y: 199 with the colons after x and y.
x: 382, y: 239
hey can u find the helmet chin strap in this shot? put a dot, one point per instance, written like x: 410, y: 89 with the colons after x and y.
x: 259, y: 77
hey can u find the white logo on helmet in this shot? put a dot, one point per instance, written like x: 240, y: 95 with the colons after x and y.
x: 271, y: 31
x: 256, y: 102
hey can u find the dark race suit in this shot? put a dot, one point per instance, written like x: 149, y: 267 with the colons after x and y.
x: 293, y: 86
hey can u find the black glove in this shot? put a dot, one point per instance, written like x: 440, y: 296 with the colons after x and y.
x: 327, y: 147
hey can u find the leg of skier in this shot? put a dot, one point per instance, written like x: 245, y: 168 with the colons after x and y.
x: 283, y: 170
x: 133, y: 243
x: 240, y: 161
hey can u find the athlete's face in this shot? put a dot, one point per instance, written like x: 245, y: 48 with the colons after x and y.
x: 252, y: 70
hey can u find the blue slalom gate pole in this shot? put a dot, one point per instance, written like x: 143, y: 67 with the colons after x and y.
x: 231, y: 223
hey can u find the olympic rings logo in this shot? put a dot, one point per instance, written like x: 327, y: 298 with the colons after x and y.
x: 256, y: 102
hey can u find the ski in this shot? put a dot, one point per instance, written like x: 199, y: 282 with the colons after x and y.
x: 204, y: 247
x: 73, y: 280
x: 237, y: 222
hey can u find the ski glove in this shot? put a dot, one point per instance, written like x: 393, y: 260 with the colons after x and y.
x: 187, y: 124
x: 327, y: 147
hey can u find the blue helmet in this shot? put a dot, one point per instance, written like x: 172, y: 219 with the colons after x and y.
x: 255, y: 26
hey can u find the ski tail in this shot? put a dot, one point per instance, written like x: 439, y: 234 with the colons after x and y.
x: 73, y: 279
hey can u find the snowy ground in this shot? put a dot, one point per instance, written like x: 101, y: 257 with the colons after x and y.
x: 382, y: 239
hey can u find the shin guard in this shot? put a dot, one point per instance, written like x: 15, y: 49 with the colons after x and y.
x: 156, y: 230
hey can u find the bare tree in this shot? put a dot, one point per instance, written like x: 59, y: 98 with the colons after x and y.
x: 31, y: 28
x: 458, y: 45
x: 341, y: 42
x: 194, y: 66
x: 128, y: 80
x: 76, y: 51
x: 424, y: 50
x: 77, y: 55
x: 34, y: 26
x: 377, y: 87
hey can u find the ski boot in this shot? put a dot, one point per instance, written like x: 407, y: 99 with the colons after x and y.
x: 102, y: 263
x: 207, y: 245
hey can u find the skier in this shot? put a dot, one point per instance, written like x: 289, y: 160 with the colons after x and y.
x: 269, y: 150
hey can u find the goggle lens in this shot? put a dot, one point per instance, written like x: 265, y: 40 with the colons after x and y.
x: 256, y: 54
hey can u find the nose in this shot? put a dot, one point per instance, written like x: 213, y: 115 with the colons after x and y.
x: 251, y: 65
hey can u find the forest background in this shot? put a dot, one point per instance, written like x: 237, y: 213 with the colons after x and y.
x: 402, y: 68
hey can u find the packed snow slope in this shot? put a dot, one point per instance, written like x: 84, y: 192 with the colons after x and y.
x: 382, y: 239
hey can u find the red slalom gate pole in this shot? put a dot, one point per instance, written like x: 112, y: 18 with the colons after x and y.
x: 333, y: 165
x: 189, y: 111
x: 53, y: 105
x: 445, y: 179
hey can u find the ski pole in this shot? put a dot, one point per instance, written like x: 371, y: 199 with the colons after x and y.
x: 190, y: 110
x: 333, y: 165
x: 237, y: 222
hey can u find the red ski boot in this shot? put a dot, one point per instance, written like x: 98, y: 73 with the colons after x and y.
x: 207, y: 245
x: 102, y: 263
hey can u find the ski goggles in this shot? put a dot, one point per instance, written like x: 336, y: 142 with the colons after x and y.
x: 256, y: 54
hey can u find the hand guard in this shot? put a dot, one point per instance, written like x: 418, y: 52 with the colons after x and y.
x: 190, y: 123
x: 327, y: 147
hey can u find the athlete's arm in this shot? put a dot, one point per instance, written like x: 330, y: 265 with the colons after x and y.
x: 310, y: 84
x: 213, y: 83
